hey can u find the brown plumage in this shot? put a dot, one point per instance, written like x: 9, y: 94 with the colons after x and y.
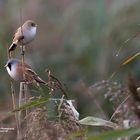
x: 24, y: 34
x: 22, y: 72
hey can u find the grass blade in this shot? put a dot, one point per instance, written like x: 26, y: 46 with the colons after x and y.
x: 110, y: 135
x: 130, y: 59
x: 31, y: 104
x: 93, y: 121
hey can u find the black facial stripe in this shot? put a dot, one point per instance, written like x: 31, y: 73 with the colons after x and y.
x: 9, y: 65
x: 33, y: 24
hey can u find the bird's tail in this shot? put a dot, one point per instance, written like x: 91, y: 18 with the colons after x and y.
x: 39, y: 80
x: 12, y: 47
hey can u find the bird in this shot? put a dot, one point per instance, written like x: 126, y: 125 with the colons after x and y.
x: 22, y: 72
x: 24, y: 35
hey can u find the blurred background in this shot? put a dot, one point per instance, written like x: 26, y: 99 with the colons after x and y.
x: 77, y: 40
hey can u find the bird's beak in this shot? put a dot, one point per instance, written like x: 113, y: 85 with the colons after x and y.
x: 5, y: 66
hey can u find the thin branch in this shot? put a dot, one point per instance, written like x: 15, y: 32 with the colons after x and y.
x: 14, y: 99
x: 59, y: 107
x: 52, y: 79
x: 14, y: 107
x: 119, y: 107
x: 22, y: 84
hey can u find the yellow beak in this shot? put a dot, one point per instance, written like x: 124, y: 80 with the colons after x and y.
x: 5, y: 66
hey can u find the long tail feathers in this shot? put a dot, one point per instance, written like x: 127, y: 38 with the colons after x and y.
x: 39, y: 80
x: 12, y: 47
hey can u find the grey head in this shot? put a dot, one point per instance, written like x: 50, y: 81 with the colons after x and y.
x: 11, y: 62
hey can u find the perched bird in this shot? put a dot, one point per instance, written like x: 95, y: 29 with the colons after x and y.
x: 24, y: 34
x: 22, y: 72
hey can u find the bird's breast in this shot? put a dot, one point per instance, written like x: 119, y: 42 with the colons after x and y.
x: 29, y: 35
x: 15, y: 74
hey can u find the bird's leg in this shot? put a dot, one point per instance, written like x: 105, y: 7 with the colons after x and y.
x: 22, y: 50
x: 23, y: 55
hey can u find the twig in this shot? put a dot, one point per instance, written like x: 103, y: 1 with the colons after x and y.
x: 119, y: 107
x: 49, y: 79
x: 55, y: 99
x: 59, y: 106
x: 26, y: 95
x: 20, y: 101
x: 14, y: 100
x: 22, y: 92
x: 14, y: 107
x: 57, y: 83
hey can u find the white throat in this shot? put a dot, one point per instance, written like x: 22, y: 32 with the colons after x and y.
x: 11, y: 72
x: 29, y: 34
x: 8, y: 70
x: 33, y: 30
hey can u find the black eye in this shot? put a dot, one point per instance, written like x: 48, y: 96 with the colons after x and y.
x: 33, y: 24
x: 9, y: 65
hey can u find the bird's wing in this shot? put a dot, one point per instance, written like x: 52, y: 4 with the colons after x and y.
x: 32, y: 74
x: 30, y: 71
x: 18, y: 35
